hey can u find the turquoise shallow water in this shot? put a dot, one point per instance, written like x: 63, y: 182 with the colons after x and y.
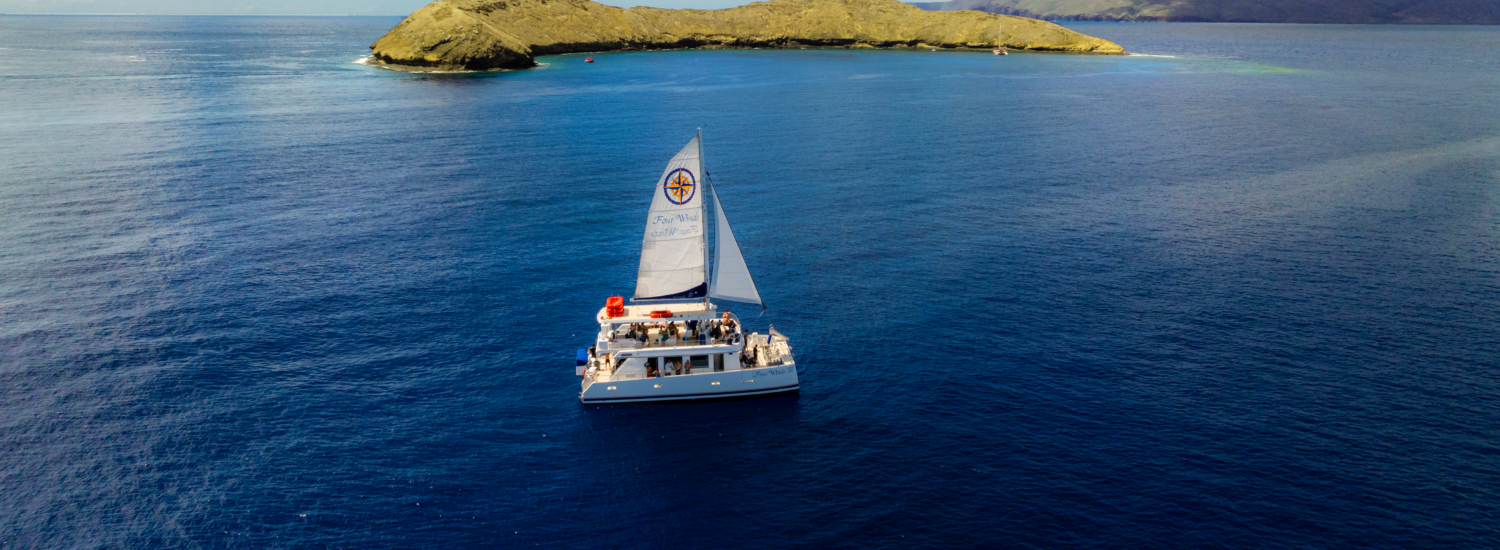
x: 254, y: 294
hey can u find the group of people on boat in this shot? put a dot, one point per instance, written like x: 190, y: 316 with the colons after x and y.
x: 670, y: 367
x: 712, y: 330
x: 750, y: 357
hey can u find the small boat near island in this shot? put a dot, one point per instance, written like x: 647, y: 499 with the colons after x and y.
x: 1000, y: 39
x: 672, y: 343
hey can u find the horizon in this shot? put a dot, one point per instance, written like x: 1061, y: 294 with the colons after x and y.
x: 377, y: 8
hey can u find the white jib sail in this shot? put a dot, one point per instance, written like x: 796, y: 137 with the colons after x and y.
x: 672, y: 252
x: 731, y: 277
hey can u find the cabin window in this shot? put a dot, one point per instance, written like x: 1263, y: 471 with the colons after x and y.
x: 699, y: 362
x: 718, y: 363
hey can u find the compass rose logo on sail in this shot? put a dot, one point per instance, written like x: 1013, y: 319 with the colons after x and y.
x: 680, y: 186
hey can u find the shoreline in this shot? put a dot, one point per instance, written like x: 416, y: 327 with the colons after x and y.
x: 375, y: 61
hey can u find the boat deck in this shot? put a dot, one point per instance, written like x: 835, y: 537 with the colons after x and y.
x: 765, y: 350
x: 641, y: 313
x: 615, y: 333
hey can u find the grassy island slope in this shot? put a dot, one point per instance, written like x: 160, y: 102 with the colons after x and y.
x: 509, y: 34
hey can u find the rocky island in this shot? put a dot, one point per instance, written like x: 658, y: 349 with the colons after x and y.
x: 449, y: 35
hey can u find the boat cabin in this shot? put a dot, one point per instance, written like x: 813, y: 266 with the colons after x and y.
x: 669, y: 339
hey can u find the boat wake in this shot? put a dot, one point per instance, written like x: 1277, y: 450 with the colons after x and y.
x: 1149, y: 55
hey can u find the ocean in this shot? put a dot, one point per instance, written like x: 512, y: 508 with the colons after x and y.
x: 1240, y: 291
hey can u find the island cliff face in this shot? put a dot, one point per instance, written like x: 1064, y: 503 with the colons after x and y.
x: 509, y: 34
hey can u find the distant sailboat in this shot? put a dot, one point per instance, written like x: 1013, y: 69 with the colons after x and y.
x: 676, y: 345
x: 1000, y: 39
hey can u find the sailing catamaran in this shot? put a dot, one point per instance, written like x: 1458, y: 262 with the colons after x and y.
x: 1000, y: 39
x: 672, y: 343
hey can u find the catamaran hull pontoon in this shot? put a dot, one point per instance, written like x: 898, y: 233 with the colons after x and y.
x: 717, y: 385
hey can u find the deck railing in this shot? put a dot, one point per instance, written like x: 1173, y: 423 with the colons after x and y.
x: 621, y: 344
x: 607, y: 377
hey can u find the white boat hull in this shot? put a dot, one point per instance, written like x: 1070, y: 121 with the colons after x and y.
x: 692, y: 387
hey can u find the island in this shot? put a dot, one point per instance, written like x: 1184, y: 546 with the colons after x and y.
x: 479, y: 35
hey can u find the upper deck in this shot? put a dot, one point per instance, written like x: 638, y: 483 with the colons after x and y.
x: 692, y: 325
x: 641, y: 313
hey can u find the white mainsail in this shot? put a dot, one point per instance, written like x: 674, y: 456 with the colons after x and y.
x: 672, y: 251
x: 731, y: 277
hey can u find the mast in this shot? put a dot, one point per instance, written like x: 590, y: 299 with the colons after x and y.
x: 703, y: 216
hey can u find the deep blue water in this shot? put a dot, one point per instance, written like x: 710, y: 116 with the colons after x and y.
x: 255, y: 295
